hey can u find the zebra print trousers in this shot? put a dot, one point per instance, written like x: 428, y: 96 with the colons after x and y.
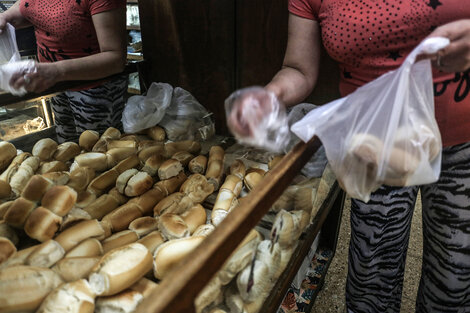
x: 380, y: 233
x: 95, y: 109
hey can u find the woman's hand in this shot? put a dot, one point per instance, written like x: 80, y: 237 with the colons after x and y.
x: 45, y: 76
x: 456, y: 56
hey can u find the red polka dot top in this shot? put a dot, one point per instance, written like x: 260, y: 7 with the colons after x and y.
x: 371, y: 37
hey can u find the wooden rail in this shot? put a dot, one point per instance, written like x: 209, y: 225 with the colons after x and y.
x: 176, y: 293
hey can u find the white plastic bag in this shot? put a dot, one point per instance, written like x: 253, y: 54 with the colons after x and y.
x: 10, y: 61
x: 265, y: 118
x: 385, y: 132
x: 145, y: 111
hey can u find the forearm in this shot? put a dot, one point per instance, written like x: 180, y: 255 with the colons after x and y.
x: 14, y: 16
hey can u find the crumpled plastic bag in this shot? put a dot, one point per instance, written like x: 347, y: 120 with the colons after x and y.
x: 385, y: 132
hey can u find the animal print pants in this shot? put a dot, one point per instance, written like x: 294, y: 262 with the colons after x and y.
x: 380, y: 233
x: 95, y: 109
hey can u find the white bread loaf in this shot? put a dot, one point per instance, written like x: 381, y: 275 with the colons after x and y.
x: 172, y: 226
x: 120, y: 218
x: 169, y: 168
x: 156, y: 133
x: 143, y: 225
x: 23, y: 288
x: 138, y: 184
x: 72, y: 269
x: 152, y: 241
x: 204, y: 230
x: 175, y: 203
x: 72, y: 297
x: 72, y: 236
x: 197, y: 188
x: 42, y: 224
x: 7, y: 154
x: 7, y: 249
x: 80, y: 178
x: 198, y: 165
x: 149, y: 199
x: 59, y: 199
x: 194, y: 217
x: 5, y: 189
x: 66, y: 151
x: 94, y: 160
x: 238, y: 169
x: 103, y: 182
x: 170, y: 254
x: 101, y: 206
x: 46, y: 254
x: 119, y: 269
x: 44, y: 149
x: 153, y: 163
x: 119, y: 239
x: 75, y: 216
x: 52, y: 166
x: 90, y: 247
x: 123, y: 179
x: 88, y: 139
x: 36, y: 187
x: 18, y: 212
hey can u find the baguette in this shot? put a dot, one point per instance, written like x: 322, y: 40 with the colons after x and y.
x: 84, y: 199
x: 36, y: 187
x: 87, y: 248
x: 190, y: 146
x: 72, y: 236
x: 232, y: 183
x: 72, y: 269
x: 42, y: 224
x: 172, y: 184
x: 198, y: 165
x: 119, y: 269
x: 44, y: 149
x: 119, y: 239
x: 145, y: 153
x: 116, y: 155
x: 59, y: 199
x: 4, y: 208
x: 25, y: 171
x: 116, y: 144
x: 18, y: 212
x: 274, y: 161
x: 183, y: 157
x: 7, y: 154
x: 13, y: 167
x: 46, y: 254
x: 177, y: 203
x: 18, y: 258
x: 119, y: 197
x: 88, y: 139
x: 204, y: 230
x: 252, y: 180
x: 123, y: 302
x: 23, y: 288
x: 66, y: 151
x: 215, y: 171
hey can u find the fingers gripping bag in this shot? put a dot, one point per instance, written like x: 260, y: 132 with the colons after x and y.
x: 385, y: 132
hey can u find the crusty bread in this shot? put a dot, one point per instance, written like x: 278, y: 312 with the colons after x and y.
x: 143, y: 225
x: 120, y: 218
x: 194, y: 217
x: 149, y: 199
x: 58, y: 178
x: 103, y: 182
x: 88, y: 139
x: 124, y: 178
x: 42, y: 224
x: 44, y: 148
x: 101, y: 206
x: 147, y: 152
x: 46, y: 254
x: 128, y: 163
x: 7, y: 154
x: 95, y: 160
x: 138, y: 184
x: 72, y: 297
x: 172, y: 226
x: 197, y: 188
x: 238, y: 169
x: 177, y: 203
x: 75, y: 216
x: 18, y: 212
x: 72, y: 269
x: 152, y: 241
x: 36, y: 187
x: 66, y: 151
x: 156, y: 133
x: 190, y: 146
x: 72, y: 236
x: 59, y: 199
x: 116, y: 155
x: 153, y: 163
x: 7, y: 249
x: 170, y: 168
x: 120, y: 268
x: 214, y: 172
x: 119, y: 239
x: 81, y: 177
x: 170, y: 254
x: 252, y: 180
x: 116, y: 144
x: 198, y: 164
x: 23, y: 288
x: 87, y: 248
x: 183, y: 157
x: 5, y: 189
x: 257, y: 170
x: 52, y: 166
x: 172, y: 184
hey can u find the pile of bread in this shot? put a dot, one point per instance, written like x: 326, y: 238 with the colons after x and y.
x: 110, y: 216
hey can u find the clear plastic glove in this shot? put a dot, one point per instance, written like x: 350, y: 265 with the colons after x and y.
x: 256, y: 117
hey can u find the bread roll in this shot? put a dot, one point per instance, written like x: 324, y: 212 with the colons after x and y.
x: 5, y: 189
x: 152, y: 241
x: 148, y: 200
x: 198, y: 165
x: 7, y: 249
x: 101, y: 206
x: 116, y: 155
x: 257, y: 170
x: 215, y: 166
x: 72, y: 297
x: 401, y: 163
x: 18, y: 212
x: 172, y: 184
x: 169, y: 168
x: 46, y: 254
x: 254, y: 283
x: 143, y: 225
x: 72, y: 236
x: 124, y: 178
x: 238, y: 169
x: 217, y: 216
x: 153, y: 163
x: 75, y: 216
x: 13, y: 167
x: 4, y: 208
x: 88, y: 139
x: 197, y: 188
x: 124, y: 302
x: 59, y: 199
x: 367, y: 149
x: 119, y: 197
x: 170, y: 254
x: 128, y: 163
x: 120, y: 218
x: 119, y: 269
x: 42, y: 224
x: 8, y: 232
x: 226, y: 200
x: 18, y: 258
x: 80, y: 178
x: 116, y: 144
x: 283, y: 230
x: 119, y: 239
x: 190, y: 146
x: 85, y: 198
x: 58, y: 178
x: 156, y: 149
x: 194, y: 217
x: 175, y: 203
x: 45, y: 148
x: 66, y: 151
x: 94, y: 160
x: 52, y: 166
x: 138, y: 184
x: 72, y: 269
x: 204, y: 230
x: 23, y: 288
x: 36, y: 187
x: 7, y: 154
x: 232, y: 183
x: 172, y: 226
x: 156, y: 133
x: 87, y: 248
x: 183, y: 157
x: 252, y: 180
x: 25, y: 171
x: 103, y: 182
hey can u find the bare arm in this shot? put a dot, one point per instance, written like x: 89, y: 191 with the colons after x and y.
x: 295, y: 81
x: 14, y: 17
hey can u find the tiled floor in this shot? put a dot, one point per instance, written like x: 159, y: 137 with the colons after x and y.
x: 331, y: 297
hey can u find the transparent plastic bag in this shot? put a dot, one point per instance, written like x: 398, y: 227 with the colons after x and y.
x: 146, y: 111
x: 265, y: 119
x: 385, y: 132
x: 8, y: 47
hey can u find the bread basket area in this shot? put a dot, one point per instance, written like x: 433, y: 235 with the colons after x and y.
x: 136, y: 223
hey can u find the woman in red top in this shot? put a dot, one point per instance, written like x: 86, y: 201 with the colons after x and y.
x: 77, y: 40
x: 369, y: 38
